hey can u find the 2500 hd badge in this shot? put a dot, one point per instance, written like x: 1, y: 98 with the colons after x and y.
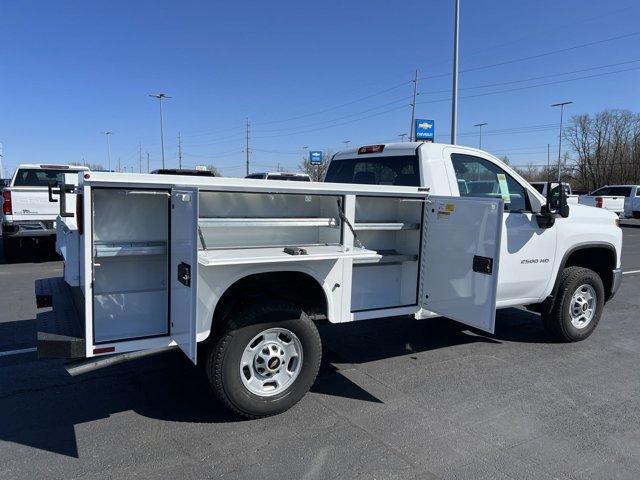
x: 527, y: 261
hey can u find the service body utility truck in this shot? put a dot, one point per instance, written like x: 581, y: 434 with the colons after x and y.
x: 29, y: 206
x: 235, y: 272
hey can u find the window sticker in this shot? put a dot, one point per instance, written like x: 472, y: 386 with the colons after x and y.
x: 504, y: 188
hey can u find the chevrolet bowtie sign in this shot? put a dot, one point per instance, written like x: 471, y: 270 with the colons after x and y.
x: 315, y: 157
x: 425, y: 130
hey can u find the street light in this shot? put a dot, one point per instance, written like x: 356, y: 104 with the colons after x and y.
x: 160, y: 97
x: 480, y: 125
x: 108, y: 134
x: 561, y: 105
x: 454, y: 87
x: 402, y: 135
x: 346, y: 143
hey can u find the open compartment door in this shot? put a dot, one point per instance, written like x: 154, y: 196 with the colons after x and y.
x: 460, y: 259
x: 183, y: 268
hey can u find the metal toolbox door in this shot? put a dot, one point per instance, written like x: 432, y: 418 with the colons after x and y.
x: 183, y: 269
x: 460, y: 259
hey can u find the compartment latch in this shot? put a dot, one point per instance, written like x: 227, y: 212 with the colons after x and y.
x: 184, y: 274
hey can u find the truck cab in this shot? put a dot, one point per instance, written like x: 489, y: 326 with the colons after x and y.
x: 533, y: 252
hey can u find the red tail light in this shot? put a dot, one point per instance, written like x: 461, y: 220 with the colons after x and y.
x: 79, y: 213
x: 599, y: 202
x: 371, y: 149
x: 6, y: 203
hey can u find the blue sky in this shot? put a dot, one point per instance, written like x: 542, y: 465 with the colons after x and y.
x: 305, y: 74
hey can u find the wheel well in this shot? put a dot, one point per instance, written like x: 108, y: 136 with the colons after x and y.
x: 601, y: 260
x: 295, y: 287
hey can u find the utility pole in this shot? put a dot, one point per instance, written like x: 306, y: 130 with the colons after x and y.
x: 412, y: 135
x: 1, y: 164
x: 480, y: 125
x: 247, y: 143
x: 108, y: 134
x: 160, y: 97
x: 548, y: 162
x: 454, y: 87
x: 140, y: 157
x: 148, y: 163
x: 561, y: 105
x: 179, y: 151
x: 119, y: 169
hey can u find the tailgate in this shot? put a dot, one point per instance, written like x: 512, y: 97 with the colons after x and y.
x: 33, y: 201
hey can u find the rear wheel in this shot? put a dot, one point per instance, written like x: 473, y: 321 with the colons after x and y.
x: 578, y: 305
x: 266, y: 360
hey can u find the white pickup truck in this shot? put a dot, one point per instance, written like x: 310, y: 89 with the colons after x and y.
x: 610, y: 197
x: 543, y: 187
x: 236, y: 271
x: 29, y: 205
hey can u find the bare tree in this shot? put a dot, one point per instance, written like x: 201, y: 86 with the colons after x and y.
x: 606, y: 146
x: 316, y: 172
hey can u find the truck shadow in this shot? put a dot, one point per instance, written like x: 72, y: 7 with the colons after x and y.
x: 39, y: 253
x: 41, y: 406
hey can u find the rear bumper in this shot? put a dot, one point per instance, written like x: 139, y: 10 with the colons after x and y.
x: 616, y: 280
x: 28, y: 228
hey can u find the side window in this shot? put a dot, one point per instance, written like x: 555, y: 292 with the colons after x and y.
x: 478, y: 177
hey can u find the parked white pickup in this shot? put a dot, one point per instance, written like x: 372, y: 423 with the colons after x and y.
x: 236, y: 270
x: 542, y: 187
x: 610, y: 197
x: 29, y: 207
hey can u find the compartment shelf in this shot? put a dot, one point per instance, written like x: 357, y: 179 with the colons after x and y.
x: 268, y: 222
x: 239, y: 256
x: 121, y: 249
x: 386, y: 257
x: 363, y: 226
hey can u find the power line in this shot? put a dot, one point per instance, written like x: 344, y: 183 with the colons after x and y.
x: 539, y: 55
x: 487, y: 85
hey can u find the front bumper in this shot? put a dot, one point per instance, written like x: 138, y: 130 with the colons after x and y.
x: 29, y: 228
x: 616, y: 277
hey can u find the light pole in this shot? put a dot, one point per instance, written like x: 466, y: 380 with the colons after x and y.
x: 480, y: 139
x: 160, y: 97
x: 402, y: 135
x: 346, y: 143
x: 561, y: 105
x: 108, y: 134
x: 454, y: 86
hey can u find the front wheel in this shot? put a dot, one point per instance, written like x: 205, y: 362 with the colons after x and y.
x: 267, y: 359
x: 578, y: 305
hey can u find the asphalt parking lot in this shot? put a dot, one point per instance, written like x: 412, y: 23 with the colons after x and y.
x: 395, y: 398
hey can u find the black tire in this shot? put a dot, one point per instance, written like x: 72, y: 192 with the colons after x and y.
x: 224, y: 358
x: 10, y: 248
x: 558, y: 321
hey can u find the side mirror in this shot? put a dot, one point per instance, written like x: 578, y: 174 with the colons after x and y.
x: 557, y: 200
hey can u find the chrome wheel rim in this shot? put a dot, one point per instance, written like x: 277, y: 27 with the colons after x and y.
x: 583, y: 306
x: 271, y: 362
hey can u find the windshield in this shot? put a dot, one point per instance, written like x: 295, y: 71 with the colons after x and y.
x: 33, y: 177
x: 401, y: 170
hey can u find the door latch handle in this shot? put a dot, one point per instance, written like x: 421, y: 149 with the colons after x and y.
x: 184, y: 274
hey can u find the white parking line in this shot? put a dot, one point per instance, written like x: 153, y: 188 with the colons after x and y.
x: 629, y: 272
x: 18, y: 352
